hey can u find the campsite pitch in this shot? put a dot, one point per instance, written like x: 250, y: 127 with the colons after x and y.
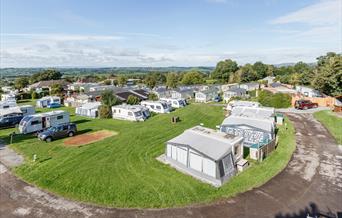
x: 88, y: 138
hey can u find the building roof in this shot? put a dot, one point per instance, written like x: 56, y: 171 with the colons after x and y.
x: 141, y: 92
x: 237, y: 90
x: 91, y: 105
x: 124, y: 95
x: 254, y: 112
x: 258, y: 123
x: 48, y: 83
x: 207, y: 141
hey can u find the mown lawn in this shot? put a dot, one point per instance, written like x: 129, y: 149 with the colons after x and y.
x: 122, y: 171
x: 332, y: 123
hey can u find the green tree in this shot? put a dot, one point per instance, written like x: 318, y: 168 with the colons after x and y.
x: 192, y: 77
x: 21, y: 82
x: 151, y: 81
x: 152, y: 97
x: 247, y: 73
x: 34, y: 95
x: 108, y: 99
x: 328, y: 74
x: 122, y: 80
x: 224, y: 69
x: 260, y: 69
x: 50, y: 74
x: 57, y: 89
x: 171, y: 80
x: 133, y: 100
x: 107, y: 82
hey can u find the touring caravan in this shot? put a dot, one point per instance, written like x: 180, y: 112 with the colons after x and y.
x: 175, y: 102
x: 47, y: 100
x: 157, y: 106
x: 130, y: 112
x: 7, y: 104
x: 233, y: 104
x: 90, y: 109
x: 8, y: 97
x: 37, y: 122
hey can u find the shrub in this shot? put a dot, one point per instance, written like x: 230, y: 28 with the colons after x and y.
x: 133, y: 100
x: 278, y: 100
x: 34, y: 95
x: 152, y: 97
x: 105, y: 112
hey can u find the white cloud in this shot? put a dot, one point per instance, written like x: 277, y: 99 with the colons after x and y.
x: 325, y: 12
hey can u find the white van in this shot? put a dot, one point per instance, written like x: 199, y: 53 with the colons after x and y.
x: 175, y: 102
x: 37, y: 122
x: 157, y: 106
x: 130, y: 112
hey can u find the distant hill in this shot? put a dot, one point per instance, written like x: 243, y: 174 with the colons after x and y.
x: 14, y: 72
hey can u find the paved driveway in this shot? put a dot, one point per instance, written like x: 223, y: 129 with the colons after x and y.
x: 311, y: 183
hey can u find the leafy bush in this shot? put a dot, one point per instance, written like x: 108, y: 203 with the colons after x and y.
x: 278, y: 100
x: 133, y: 100
x: 34, y: 95
x: 152, y: 97
x: 105, y: 112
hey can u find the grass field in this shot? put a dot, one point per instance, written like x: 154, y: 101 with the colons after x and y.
x: 122, y: 171
x: 332, y: 123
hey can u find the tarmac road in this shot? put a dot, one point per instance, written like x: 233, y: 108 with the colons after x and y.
x: 310, y: 184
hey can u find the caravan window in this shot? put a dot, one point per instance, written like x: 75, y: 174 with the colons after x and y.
x: 59, y: 117
x: 137, y: 114
x: 24, y: 110
x: 130, y: 114
x: 35, y: 122
x: 158, y: 107
x: 6, y: 106
x: 164, y: 105
x: 152, y: 106
x: 114, y: 111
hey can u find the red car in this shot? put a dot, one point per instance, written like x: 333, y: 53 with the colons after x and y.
x: 305, y: 104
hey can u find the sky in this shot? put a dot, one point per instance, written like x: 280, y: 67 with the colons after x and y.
x: 158, y: 33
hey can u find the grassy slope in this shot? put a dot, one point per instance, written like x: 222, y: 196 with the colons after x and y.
x: 122, y: 171
x: 332, y: 123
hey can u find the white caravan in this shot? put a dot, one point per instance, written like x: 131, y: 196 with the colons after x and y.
x: 130, y: 112
x: 8, y: 97
x: 37, y: 122
x: 175, y: 102
x: 7, y: 104
x: 157, y: 106
x: 45, y: 101
x: 233, y: 104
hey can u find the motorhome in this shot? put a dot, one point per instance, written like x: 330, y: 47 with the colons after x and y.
x: 7, y: 104
x: 233, y: 104
x: 130, y: 112
x: 175, y: 102
x: 157, y: 106
x: 8, y: 97
x: 90, y: 109
x: 47, y: 100
x: 37, y: 122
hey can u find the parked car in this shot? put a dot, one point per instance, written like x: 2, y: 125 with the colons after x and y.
x: 305, y: 104
x: 218, y: 99
x: 59, y: 131
x: 54, y: 105
x: 10, y: 120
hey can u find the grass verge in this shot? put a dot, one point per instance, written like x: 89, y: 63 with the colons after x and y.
x: 332, y: 122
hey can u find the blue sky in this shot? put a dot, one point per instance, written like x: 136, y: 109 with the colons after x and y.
x: 112, y: 33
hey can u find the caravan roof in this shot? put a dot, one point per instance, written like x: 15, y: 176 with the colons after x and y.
x: 258, y: 123
x: 207, y: 141
x: 258, y: 112
x: 91, y: 105
x: 134, y: 108
x: 11, y: 110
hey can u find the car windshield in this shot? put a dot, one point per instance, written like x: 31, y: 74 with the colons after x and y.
x: 164, y: 105
x: 53, y: 129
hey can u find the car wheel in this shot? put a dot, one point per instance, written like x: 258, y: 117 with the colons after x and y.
x: 71, y: 134
x: 48, y: 139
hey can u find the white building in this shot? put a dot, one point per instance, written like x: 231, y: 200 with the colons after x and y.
x: 130, y: 112
x: 77, y: 100
x: 205, y: 154
x: 233, y: 92
x: 90, y: 109
x: 250, y: 86
x: 206, y: 95
x: 308, y: 92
